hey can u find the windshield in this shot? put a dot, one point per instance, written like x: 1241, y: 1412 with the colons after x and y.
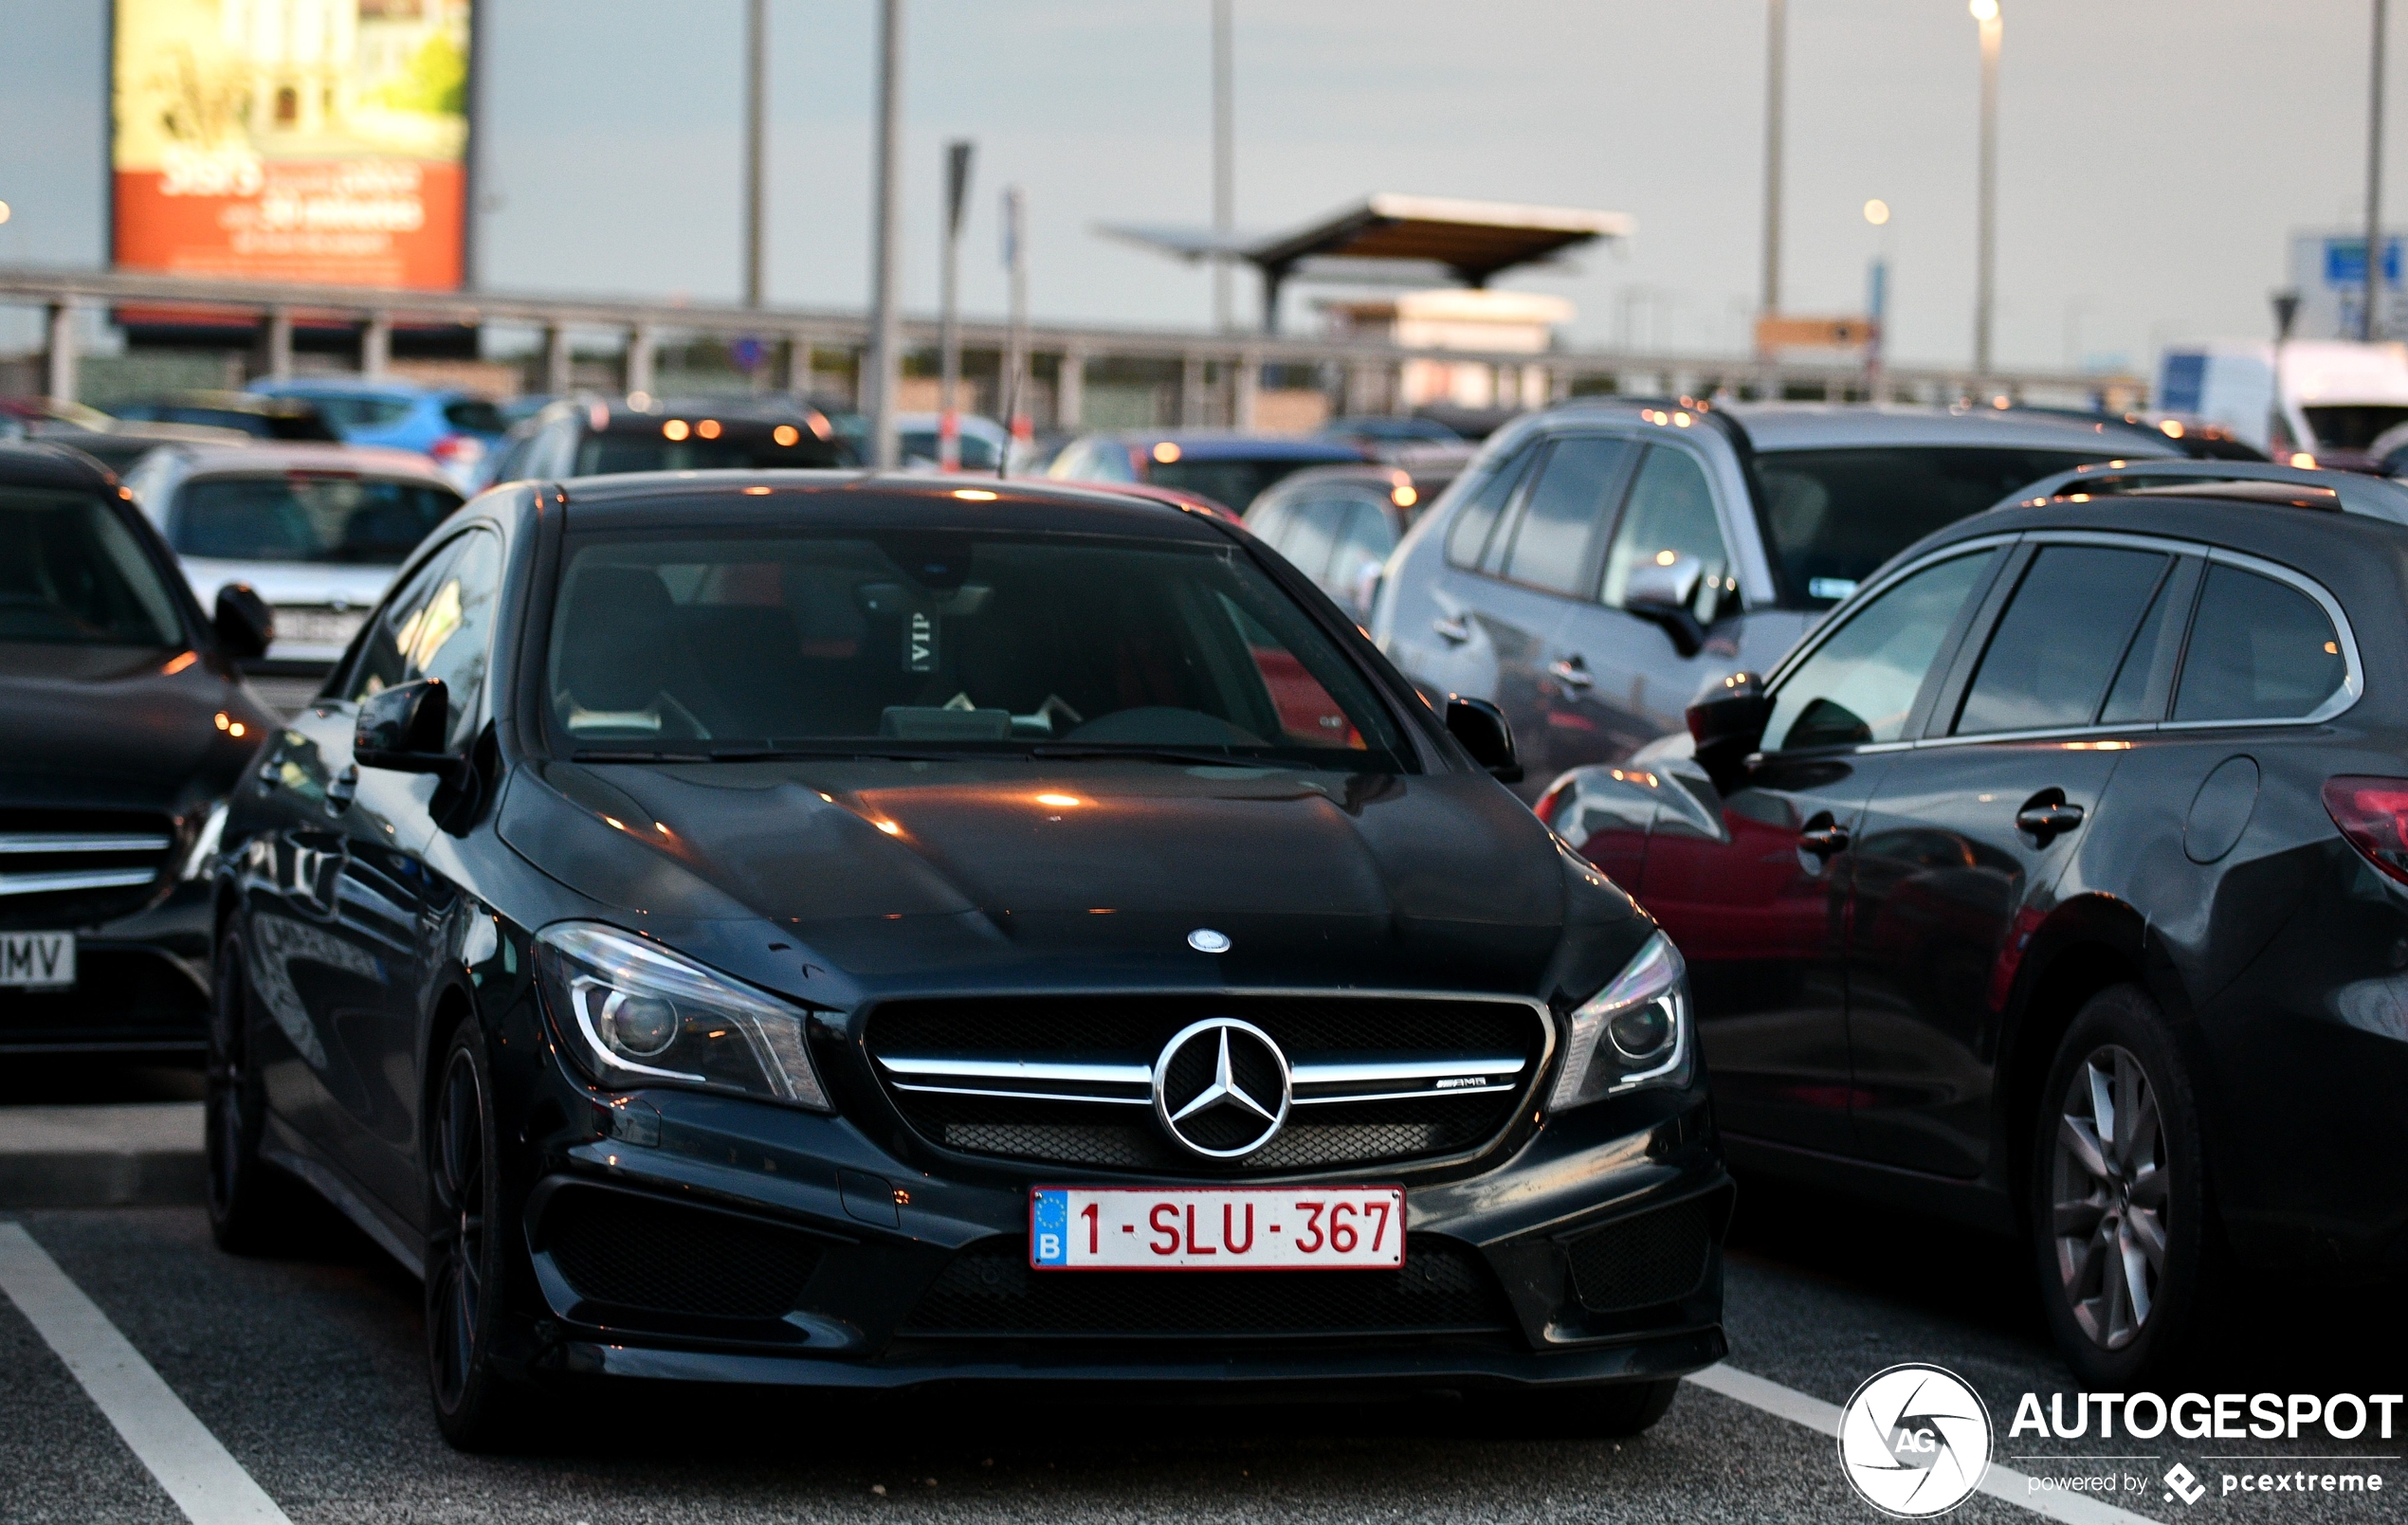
x: 1233, y: 482
x: 977, y: 451
x: 299, y: 516
x: 71, y: 573
x: 949, y: 641
x: 362, y: 412
x: 1834, y: 515
x: 2352, y: 426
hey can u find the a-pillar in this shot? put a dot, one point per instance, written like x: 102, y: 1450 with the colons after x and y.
x: 59, y: 368
x: 1242, y: 387
x: 557, y: 359
x: 641, y: 341
x: 376, y: 345
x: 1071, y: 390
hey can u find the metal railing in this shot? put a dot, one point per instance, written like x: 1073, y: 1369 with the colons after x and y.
x: 1360, y: 376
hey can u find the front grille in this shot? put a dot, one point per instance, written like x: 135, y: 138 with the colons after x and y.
x: 989, y: 1290
x: 68, y: 869
x: 1066, y: 1080
x: 657, y: 1257
x: 1655, y: 1258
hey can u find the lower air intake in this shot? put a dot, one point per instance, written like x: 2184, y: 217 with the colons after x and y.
x: 989, y: 1290
x: 658, y: 1257
x: 1655, y: 1258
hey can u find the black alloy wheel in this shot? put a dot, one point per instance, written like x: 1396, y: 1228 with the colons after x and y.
x: 253, y: 1205
x: 2130, y: 1257
x: 464, y: 1258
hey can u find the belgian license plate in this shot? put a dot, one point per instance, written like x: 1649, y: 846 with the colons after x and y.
x: 1216, y: 1228
x: 318, y: 626
x: 32, y: 959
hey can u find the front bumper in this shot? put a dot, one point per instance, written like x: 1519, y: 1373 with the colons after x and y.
x: 141, y: 986
x: 672, y: 1235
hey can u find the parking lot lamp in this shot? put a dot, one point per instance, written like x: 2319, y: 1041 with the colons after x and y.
x: 1987, y: 210
x: 886, y: 326
x: 949, y: 337
x: 2368, y: 321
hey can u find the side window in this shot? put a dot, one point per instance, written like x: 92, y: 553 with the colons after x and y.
x: 384, y: 650
x: 2260, y: 650
x: 1551, y: 540
x: 1669, y: 512
x: 1468, y: 534
x: 555, y: 449
x: 2159, y: 638
x: 1268, y: 521
x: 1860, y: 684
x: 453, y: 639
x: 2055, y: 649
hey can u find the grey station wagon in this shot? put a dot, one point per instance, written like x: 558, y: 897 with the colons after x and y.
x: 1599, y: 563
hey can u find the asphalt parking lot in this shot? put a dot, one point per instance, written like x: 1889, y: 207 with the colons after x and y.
x: 306, y: 1370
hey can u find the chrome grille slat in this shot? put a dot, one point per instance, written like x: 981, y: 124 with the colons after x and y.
x: 26, y: 842
x: 77, y: 879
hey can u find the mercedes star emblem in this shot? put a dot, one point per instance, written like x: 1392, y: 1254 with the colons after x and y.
x: 1220, y: 1088
x: 1205, y: 940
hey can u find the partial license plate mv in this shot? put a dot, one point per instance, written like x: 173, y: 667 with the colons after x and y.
x: 29, y: 960
x: 1216, y: 1228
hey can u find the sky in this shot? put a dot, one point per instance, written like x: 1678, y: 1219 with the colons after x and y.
x: 2154, y: 155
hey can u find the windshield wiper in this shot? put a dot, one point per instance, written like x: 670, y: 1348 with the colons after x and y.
x: 1160, y: 754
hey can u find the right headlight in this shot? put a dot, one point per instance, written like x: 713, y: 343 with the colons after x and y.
x: 1633, y: 1033
x: 634, y: 1013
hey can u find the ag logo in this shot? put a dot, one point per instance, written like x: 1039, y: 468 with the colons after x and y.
x: 1914, y: 1440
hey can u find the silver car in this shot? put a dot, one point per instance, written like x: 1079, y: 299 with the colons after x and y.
x: 316, y: 530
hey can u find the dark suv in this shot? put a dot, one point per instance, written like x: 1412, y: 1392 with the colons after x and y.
x: 2060, y: 881
x: 1599, y: 563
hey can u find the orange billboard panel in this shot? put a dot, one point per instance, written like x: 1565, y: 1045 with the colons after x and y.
x: 292, y: 140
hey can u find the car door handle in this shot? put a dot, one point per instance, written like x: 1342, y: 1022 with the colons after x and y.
x: 1451, y: 627
x: 1823, y: 841
x: 1571, y: 672
x: 342, y: 789
x: 2045, y: 821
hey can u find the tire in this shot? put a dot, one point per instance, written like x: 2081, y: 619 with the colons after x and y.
x: 2130, y: 1260
x: 253, y: 1207
x: 1599, y: 1413
x: 476, y: 1407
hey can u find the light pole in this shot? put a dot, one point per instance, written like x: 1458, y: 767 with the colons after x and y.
x: 1016, y: 368
x: 1876, y: 298
x: 1223, y: 171
x: 886, y: 325
x: 1986, y: 233
x: 756, y: 111
x: 1776, y: 48
x: 949, y: 340
x: 2369, y: 326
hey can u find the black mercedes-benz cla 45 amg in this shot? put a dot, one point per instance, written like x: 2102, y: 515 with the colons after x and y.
x: 858, y: 933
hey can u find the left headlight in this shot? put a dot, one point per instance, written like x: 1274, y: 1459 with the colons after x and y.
x: 636, y: 1014
x: 1633, y: 1033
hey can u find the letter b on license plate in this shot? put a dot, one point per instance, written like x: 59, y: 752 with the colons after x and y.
x: 1216, y: 1228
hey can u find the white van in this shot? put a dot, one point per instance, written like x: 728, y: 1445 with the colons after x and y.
x: 2335, y: 397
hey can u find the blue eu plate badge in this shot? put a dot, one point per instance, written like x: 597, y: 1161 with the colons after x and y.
x: 1050, y: 1229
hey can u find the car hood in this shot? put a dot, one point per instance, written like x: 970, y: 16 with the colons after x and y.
x: 112, y: 725
x: 902, y: 875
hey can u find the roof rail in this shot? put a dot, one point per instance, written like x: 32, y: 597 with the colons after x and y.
x: 2351, y: 492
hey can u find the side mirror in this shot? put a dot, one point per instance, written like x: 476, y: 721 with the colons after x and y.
x: 1727, y: 722
x: 245, y: 625
x: 403, y: 729
x: 1482, y: 729
x: 1665, y: 592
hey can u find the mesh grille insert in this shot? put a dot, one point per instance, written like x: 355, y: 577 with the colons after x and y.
x: 663, y: 1258
x: 1655, y: 1258
x: 989, y: 1290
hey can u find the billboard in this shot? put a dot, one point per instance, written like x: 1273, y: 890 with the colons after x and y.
x: 311, y: 140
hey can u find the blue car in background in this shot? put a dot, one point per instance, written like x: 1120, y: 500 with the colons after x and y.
x: 454, y: 429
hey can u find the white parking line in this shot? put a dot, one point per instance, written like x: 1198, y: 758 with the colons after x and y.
x: 199, y: 1474
x: 1999, y: 1483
